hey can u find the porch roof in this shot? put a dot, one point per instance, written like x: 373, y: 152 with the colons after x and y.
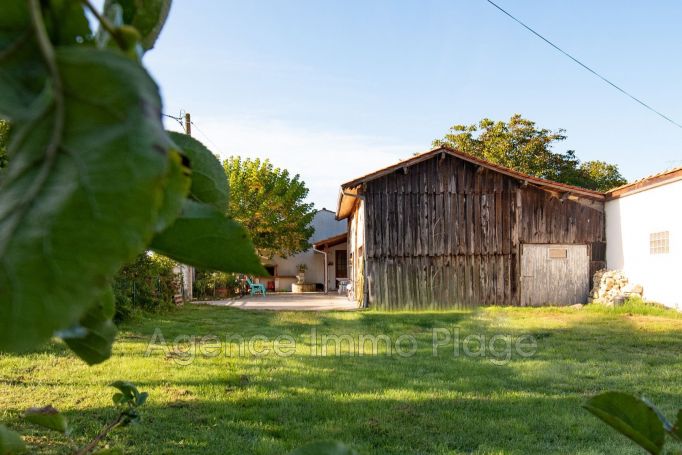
x: 331, y: 241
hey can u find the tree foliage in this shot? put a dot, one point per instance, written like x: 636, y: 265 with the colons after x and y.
x: 520, y: 145
x: 270, y: 203
x: 94, y: 180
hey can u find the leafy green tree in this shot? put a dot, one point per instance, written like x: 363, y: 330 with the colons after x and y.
x: 4, y: 139
x: 94, y: 179
x: 270, y: 203
x: 520, y: 145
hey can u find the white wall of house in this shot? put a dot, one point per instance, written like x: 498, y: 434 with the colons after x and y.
x: 326, y: 225
x: 630, y: 221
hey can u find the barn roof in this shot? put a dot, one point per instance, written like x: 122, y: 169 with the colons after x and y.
x: 652, y: 181
x: 349, y: 190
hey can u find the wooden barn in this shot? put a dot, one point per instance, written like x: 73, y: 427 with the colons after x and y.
x: 446, y: 230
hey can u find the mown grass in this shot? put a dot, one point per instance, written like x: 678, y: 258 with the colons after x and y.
x: 383, y: 404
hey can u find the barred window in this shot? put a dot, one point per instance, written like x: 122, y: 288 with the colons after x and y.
x: 659, y: 242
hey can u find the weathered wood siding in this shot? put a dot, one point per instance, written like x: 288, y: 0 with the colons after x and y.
x: 442, y: 235
x: 540, y: 274
x: 445, y: 233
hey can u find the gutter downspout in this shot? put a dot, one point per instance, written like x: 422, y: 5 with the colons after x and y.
x: 326, y: 271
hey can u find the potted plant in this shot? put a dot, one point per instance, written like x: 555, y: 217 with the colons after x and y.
x: 301, y: 273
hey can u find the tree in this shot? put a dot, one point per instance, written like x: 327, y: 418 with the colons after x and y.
x: 4, y: 139
x: 271, y: 205
x: 520, y: 145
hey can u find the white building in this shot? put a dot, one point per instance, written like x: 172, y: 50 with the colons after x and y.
x: 329, y: 239
x: 644, y: 235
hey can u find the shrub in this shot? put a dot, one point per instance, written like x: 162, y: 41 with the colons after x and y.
x: 209, y: 284
x: 148, y: 283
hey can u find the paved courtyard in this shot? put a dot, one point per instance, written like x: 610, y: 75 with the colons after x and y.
x: 286, y: 301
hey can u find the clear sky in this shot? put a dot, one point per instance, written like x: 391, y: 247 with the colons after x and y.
x: 335, y: 89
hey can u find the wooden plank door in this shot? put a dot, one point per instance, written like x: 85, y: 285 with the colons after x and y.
x: 554, y: 274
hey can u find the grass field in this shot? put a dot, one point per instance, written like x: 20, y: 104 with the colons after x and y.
x: 383, y: 404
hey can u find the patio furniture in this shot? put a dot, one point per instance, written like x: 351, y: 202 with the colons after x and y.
x: 255, y: 287
x: 343, y: 285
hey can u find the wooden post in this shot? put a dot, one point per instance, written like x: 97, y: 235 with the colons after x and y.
x: 190, y: 269
x: 188, y: 124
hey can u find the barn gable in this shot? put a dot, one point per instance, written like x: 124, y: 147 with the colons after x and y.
x: 445, y: 230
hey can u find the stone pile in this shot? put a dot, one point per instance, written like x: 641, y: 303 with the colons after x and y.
x: 612, y: 287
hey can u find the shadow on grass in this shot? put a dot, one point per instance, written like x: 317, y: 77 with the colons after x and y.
x: 378, y: 403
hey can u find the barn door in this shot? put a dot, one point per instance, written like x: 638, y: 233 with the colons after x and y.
x: 554, y: 274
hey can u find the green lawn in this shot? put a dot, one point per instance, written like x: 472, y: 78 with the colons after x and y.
x: 384, y: 404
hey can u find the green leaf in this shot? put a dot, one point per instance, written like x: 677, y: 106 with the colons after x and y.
x: 127, y: 388
x: 204, y: 237
x: 147, y: 16
x: 10, y: 442
x: 94, y: 346
x: 209, y: 182
x: 142, y: 398
x: 70, y: 220
x: 66, y: 22
x: 631, y: 417
x: 324, y: 448
x: 176, y: 188
x: 112, y: 451
x: 47, y: 417
x: 22, y: 72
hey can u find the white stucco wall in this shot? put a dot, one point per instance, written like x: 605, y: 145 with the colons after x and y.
x: 629, y: 222
x: 326, y: 225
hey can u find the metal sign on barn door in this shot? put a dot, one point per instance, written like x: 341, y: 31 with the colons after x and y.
x: 554, y: 274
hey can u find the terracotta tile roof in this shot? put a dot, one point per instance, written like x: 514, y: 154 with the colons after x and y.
x: 661, y: 178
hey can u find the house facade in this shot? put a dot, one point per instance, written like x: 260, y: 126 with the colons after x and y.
x: 446, y: 230
x: 644, y: 233
x: 326, y: 244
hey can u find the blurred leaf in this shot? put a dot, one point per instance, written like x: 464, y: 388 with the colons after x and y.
x: 128, y: 390
x: 324, y: 448
x: 147, y: 16
x: 631, y: 417
x: 47, y: 417
x: 10, y: 442
x: 67, y: 23
x: 142, y: 398
x: 176, y: 188
x: 94, y: 346
x: 204, y: 237
x: 70, y: 220
x: 112, y: 451
x: 209, y: 182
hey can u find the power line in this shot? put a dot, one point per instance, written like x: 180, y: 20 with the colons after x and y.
x: 585, y: 66
x: 205, y: 135
x: 177, y: 119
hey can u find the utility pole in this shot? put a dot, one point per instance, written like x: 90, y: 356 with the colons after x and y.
x: 190, y: 269
x: 188, y: 124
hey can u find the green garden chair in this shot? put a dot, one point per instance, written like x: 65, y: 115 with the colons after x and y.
x: 255, y: 287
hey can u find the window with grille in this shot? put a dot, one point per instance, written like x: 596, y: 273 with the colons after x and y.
x: 659, y: 242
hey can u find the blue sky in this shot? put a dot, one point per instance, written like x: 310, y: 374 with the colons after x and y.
x: 334, y: 89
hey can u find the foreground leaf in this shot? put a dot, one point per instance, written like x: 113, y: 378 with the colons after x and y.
x: 47, y: 417
x: 10, y: 442
x: 324, y: 448
x: 629, y: 416
x: 98, y: 331
x: 69, y: 223
x: 202, y: 236
x: 147, y: 16
x: 209, y: 182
